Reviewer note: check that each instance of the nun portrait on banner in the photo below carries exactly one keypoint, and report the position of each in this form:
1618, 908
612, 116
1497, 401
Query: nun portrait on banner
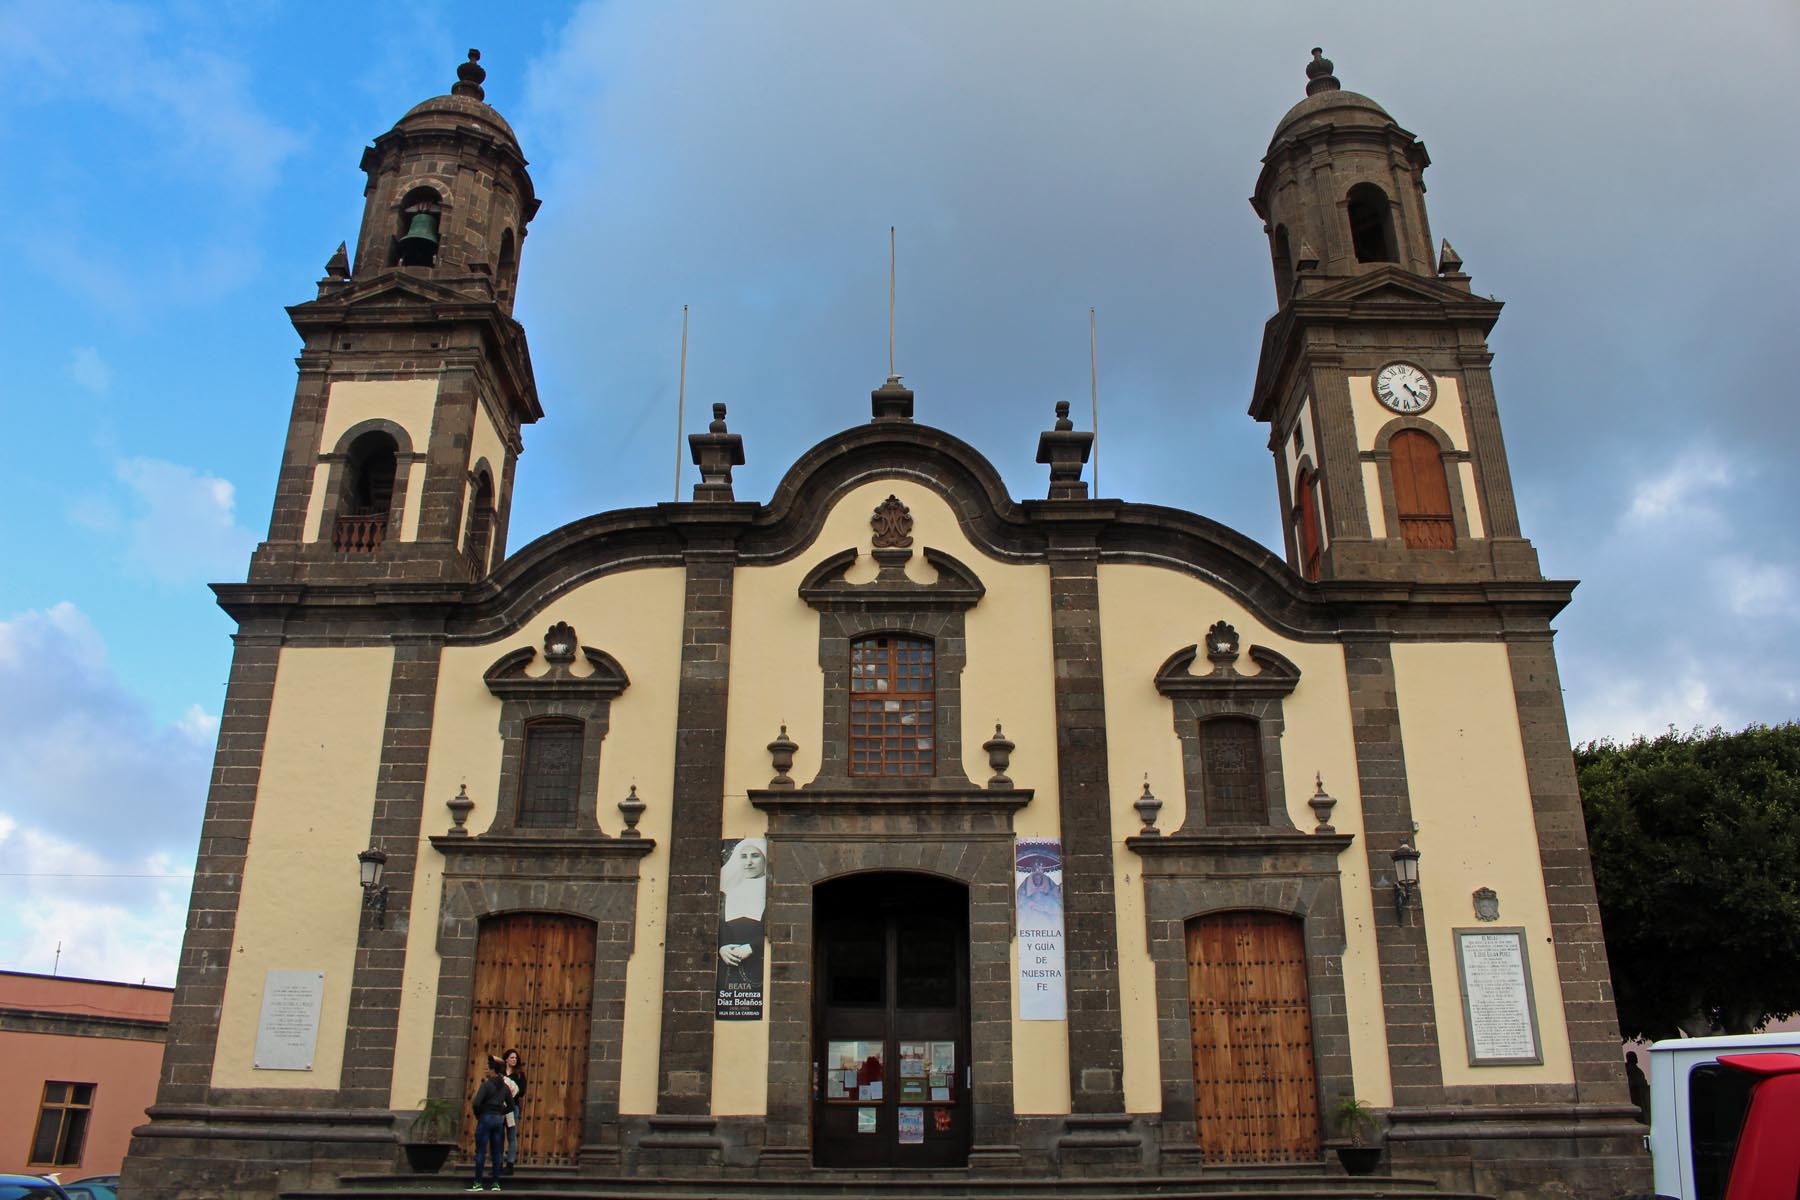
744, 885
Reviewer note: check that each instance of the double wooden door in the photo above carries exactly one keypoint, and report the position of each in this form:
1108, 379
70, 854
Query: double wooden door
534, 989
1255, 1096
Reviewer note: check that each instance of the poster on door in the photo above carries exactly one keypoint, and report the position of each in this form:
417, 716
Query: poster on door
1037, 871
744, 893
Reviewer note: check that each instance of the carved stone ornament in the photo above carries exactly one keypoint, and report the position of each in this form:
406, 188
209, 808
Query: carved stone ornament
781, 757
560, 643
460, 806
1487, 904
1148, 806
1222, 643
632, 809
1322, 804
999, 751
892, 524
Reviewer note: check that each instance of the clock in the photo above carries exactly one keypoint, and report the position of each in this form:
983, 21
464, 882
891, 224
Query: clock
1404, 388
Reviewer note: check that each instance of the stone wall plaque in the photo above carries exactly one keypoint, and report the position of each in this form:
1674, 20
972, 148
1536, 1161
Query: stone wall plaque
287, 1032
1493, 973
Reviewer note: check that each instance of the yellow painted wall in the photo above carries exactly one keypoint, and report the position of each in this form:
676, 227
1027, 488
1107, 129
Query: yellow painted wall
1465, 772
1445, 412
636, 617
1470, 501
775, 678
315, 503
415, 499
313, 808
1148, 613
1372, 499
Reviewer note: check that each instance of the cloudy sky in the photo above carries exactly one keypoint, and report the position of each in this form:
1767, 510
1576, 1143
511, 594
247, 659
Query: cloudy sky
1621, 174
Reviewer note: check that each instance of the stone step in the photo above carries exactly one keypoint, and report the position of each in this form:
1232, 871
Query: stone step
565, 1184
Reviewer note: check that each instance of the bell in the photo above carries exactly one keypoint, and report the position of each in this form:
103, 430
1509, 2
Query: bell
419, 245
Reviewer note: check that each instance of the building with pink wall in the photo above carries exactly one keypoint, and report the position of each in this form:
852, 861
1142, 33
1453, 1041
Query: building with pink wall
88, 1054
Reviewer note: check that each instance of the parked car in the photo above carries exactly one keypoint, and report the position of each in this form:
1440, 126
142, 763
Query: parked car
1713, 1101
29, 1187
94, 1187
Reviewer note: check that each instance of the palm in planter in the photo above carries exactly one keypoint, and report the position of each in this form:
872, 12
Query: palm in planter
1357, 1122
431, 1136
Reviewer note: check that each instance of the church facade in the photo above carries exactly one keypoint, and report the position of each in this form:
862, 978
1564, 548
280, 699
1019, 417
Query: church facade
896, 821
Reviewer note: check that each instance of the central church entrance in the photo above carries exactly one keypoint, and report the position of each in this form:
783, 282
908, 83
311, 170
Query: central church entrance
891, 1022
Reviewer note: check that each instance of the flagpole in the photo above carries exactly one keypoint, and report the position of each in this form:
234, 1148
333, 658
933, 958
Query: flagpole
1094, 391
681, 403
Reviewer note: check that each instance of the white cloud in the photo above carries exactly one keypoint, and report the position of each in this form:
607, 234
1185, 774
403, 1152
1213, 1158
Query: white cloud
1628, 706
1758, 589
184, 530
1682, 490
88, 369
99, 819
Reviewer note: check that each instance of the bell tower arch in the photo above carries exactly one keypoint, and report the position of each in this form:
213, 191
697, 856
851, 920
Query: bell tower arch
1376, 342
415, 380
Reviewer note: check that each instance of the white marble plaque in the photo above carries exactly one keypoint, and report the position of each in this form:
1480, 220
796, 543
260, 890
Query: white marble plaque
1499, 1015
287, 1032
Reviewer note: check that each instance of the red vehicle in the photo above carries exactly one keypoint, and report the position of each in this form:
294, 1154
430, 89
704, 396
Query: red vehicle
1758, 1099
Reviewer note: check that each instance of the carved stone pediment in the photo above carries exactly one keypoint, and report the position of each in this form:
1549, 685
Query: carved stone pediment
1278, 676
507, 678
956, 586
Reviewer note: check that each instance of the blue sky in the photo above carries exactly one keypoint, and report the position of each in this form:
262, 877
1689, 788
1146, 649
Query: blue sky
1619, 174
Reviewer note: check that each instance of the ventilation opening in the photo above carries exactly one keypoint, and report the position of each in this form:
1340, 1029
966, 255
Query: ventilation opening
509, 267
416, 234
481, 526
1372, 225
1284, 265
368, 495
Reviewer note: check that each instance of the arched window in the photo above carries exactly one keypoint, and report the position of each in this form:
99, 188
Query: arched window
508, 268
1372, 225
893, 706
1306, 523
367, 496
1284, 265
551, 779
416, 238
1231, 766
1421, 494
481, 525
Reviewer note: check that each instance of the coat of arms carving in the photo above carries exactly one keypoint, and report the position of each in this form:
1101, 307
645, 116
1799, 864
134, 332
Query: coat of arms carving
892, 524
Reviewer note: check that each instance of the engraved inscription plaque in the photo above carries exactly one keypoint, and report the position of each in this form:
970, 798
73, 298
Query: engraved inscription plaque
288, 1030
1499, 1014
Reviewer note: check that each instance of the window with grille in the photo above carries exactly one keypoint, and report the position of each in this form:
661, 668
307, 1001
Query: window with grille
892, 706
552, 776
62, 1124
1231, 758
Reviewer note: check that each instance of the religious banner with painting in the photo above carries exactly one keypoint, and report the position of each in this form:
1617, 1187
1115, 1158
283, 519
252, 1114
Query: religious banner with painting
1037, 868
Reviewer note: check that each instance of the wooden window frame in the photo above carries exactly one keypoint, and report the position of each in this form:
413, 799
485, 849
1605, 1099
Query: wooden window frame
885, 754
538, 732
1309, 532
63, 1109
1255, 809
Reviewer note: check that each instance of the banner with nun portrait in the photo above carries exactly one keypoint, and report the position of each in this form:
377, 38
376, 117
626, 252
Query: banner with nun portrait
744, 893
1037, 873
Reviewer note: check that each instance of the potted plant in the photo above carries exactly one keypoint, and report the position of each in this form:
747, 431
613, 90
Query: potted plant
1357, 1122
431, 1136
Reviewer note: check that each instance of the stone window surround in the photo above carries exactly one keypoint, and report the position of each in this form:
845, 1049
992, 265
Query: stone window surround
557, 693
337, 461
895, 605
1382, 457
1197, 699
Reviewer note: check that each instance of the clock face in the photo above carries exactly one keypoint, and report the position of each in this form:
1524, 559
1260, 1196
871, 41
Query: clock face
1403, 388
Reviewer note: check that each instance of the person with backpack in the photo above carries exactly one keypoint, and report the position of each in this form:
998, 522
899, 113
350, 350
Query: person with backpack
493, 1100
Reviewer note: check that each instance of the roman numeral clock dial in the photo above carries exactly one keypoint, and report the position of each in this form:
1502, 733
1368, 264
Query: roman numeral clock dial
1404, 388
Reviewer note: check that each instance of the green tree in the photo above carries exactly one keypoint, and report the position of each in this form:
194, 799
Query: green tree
1696, 848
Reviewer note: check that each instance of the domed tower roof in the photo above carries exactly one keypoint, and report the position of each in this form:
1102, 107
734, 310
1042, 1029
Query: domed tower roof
466, 101
1328, 103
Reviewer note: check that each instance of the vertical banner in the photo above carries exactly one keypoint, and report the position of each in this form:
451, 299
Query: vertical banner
744, 892
1037, 870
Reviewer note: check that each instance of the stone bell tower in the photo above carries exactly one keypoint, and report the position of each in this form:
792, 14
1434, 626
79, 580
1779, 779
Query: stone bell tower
1374, 378
415, 380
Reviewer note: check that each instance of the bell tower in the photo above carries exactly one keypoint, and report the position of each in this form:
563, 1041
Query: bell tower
415, 381
1374, 378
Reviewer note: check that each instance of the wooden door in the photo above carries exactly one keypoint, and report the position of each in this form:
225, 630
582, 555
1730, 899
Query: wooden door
1255, 1100
534, 988
1421, 493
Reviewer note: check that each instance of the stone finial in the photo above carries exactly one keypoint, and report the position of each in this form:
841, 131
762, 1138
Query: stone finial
1306, 259
460, 806
1148, 806
715, 453
892, 523
781, 756
1065, 449
1318, 74
999, 751
892, 401
468, 78
338, 266
1322, 804
1449, 261
632, 809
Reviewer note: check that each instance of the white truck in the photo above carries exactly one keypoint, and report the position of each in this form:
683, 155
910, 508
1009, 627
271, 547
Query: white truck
1698, 1111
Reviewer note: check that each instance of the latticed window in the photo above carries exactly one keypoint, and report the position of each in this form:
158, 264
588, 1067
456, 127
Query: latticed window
1231, 758
552, 776
893, 704
62, 1124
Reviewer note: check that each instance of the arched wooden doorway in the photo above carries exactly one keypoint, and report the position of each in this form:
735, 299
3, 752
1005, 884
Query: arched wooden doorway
534, 989
1255, 1097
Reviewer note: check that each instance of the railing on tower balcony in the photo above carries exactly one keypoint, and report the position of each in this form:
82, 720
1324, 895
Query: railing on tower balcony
1428, 532
359, 533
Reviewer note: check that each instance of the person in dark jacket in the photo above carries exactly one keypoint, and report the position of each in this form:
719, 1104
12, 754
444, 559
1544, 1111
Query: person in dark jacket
493, 1100
515, 1071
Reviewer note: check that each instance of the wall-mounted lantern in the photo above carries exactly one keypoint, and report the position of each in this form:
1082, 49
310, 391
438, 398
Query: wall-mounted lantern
373, 862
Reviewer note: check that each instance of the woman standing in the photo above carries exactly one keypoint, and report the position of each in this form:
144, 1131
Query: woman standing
493, 1100
515, 1071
